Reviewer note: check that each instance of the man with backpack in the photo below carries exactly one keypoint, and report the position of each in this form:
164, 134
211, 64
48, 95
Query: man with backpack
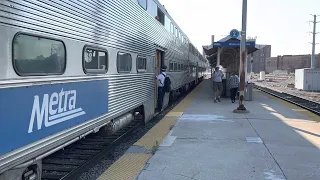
217, 83
164, 85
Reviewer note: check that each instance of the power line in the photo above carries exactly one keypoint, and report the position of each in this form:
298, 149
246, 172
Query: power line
313, 61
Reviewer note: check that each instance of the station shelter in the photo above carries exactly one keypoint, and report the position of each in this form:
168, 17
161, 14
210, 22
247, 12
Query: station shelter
225, 53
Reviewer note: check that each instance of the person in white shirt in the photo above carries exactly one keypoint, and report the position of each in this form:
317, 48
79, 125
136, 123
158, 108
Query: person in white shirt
217, 83
160, 78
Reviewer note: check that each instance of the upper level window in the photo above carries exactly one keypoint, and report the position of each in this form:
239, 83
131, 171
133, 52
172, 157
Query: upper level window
161, 16
33, 55
95, 60
124, 62
141, 64
176, 32
143, 4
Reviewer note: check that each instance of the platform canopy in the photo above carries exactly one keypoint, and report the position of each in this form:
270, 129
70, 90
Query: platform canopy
229, 50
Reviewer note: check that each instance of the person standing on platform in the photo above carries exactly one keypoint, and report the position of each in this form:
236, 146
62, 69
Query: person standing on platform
217, 83
234, 85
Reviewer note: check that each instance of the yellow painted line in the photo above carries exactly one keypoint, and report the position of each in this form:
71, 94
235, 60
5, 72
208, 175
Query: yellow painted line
130, 165
156, 134
299, 110
294, 107
174, 114
126, 168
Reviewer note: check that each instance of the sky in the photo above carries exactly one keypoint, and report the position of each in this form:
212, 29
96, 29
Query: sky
283, 24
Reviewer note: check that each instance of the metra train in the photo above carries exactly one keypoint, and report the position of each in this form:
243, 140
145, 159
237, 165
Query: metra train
69, 67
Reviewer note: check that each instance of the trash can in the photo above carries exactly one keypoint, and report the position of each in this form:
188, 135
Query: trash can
248, 90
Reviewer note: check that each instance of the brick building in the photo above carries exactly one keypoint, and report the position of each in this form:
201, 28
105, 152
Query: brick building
259, 58
290, 62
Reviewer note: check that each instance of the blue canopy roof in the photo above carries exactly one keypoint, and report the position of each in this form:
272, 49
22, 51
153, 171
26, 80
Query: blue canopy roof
230, 50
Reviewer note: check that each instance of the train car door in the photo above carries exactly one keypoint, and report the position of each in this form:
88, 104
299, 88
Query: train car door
158, 64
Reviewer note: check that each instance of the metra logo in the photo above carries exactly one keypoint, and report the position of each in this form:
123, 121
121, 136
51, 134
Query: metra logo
56, 108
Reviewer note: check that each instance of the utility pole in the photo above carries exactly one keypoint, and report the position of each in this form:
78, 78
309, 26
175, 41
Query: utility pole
243, 57
313, 61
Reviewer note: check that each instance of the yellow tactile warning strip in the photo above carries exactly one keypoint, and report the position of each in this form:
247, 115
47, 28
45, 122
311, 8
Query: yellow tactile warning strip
155, 135
130, 164
127, 167
294, 107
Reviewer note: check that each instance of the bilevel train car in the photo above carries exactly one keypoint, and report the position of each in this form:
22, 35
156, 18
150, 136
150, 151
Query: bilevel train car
69, 67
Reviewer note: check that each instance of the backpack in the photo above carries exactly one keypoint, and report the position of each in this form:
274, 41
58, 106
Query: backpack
167, 84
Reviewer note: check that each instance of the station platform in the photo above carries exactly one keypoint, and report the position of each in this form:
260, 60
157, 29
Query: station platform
200, 139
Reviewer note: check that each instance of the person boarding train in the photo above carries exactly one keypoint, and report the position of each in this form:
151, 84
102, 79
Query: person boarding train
164, 85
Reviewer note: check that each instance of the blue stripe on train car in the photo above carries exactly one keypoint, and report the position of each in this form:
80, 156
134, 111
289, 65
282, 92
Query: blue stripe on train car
35, 112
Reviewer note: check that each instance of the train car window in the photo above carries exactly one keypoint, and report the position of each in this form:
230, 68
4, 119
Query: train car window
171, 28
161, 16
152, 8
176, 32
35, 56
143, 4
171, 67
95, 60
124, 62
167, 23
141, 64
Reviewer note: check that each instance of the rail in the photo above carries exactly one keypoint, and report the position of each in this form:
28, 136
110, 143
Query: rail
312, 106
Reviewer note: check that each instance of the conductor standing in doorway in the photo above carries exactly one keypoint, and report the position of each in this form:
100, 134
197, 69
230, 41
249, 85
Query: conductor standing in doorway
161, 78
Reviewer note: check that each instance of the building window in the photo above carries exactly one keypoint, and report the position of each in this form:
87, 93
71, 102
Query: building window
95, 60
141, 64
124, 62
175, 67
34, 55
143, 4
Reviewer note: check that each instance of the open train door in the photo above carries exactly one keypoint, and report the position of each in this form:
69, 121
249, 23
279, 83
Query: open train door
159, 61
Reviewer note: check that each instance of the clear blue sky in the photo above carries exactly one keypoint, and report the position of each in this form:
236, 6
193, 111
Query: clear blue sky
281, 23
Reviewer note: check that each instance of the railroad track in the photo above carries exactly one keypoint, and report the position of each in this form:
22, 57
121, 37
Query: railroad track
70, 162
312, 106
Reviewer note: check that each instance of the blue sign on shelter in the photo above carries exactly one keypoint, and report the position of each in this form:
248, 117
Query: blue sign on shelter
233, 44
234, 33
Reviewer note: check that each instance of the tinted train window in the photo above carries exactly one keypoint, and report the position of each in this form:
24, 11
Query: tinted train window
34, 55
124, 62
171, 67
143, 3
141, 64
95, 60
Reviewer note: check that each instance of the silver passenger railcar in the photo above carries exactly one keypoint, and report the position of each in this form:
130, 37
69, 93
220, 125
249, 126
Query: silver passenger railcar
69, 67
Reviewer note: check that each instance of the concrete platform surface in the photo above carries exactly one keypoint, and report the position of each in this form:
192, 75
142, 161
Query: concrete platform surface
272, 142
